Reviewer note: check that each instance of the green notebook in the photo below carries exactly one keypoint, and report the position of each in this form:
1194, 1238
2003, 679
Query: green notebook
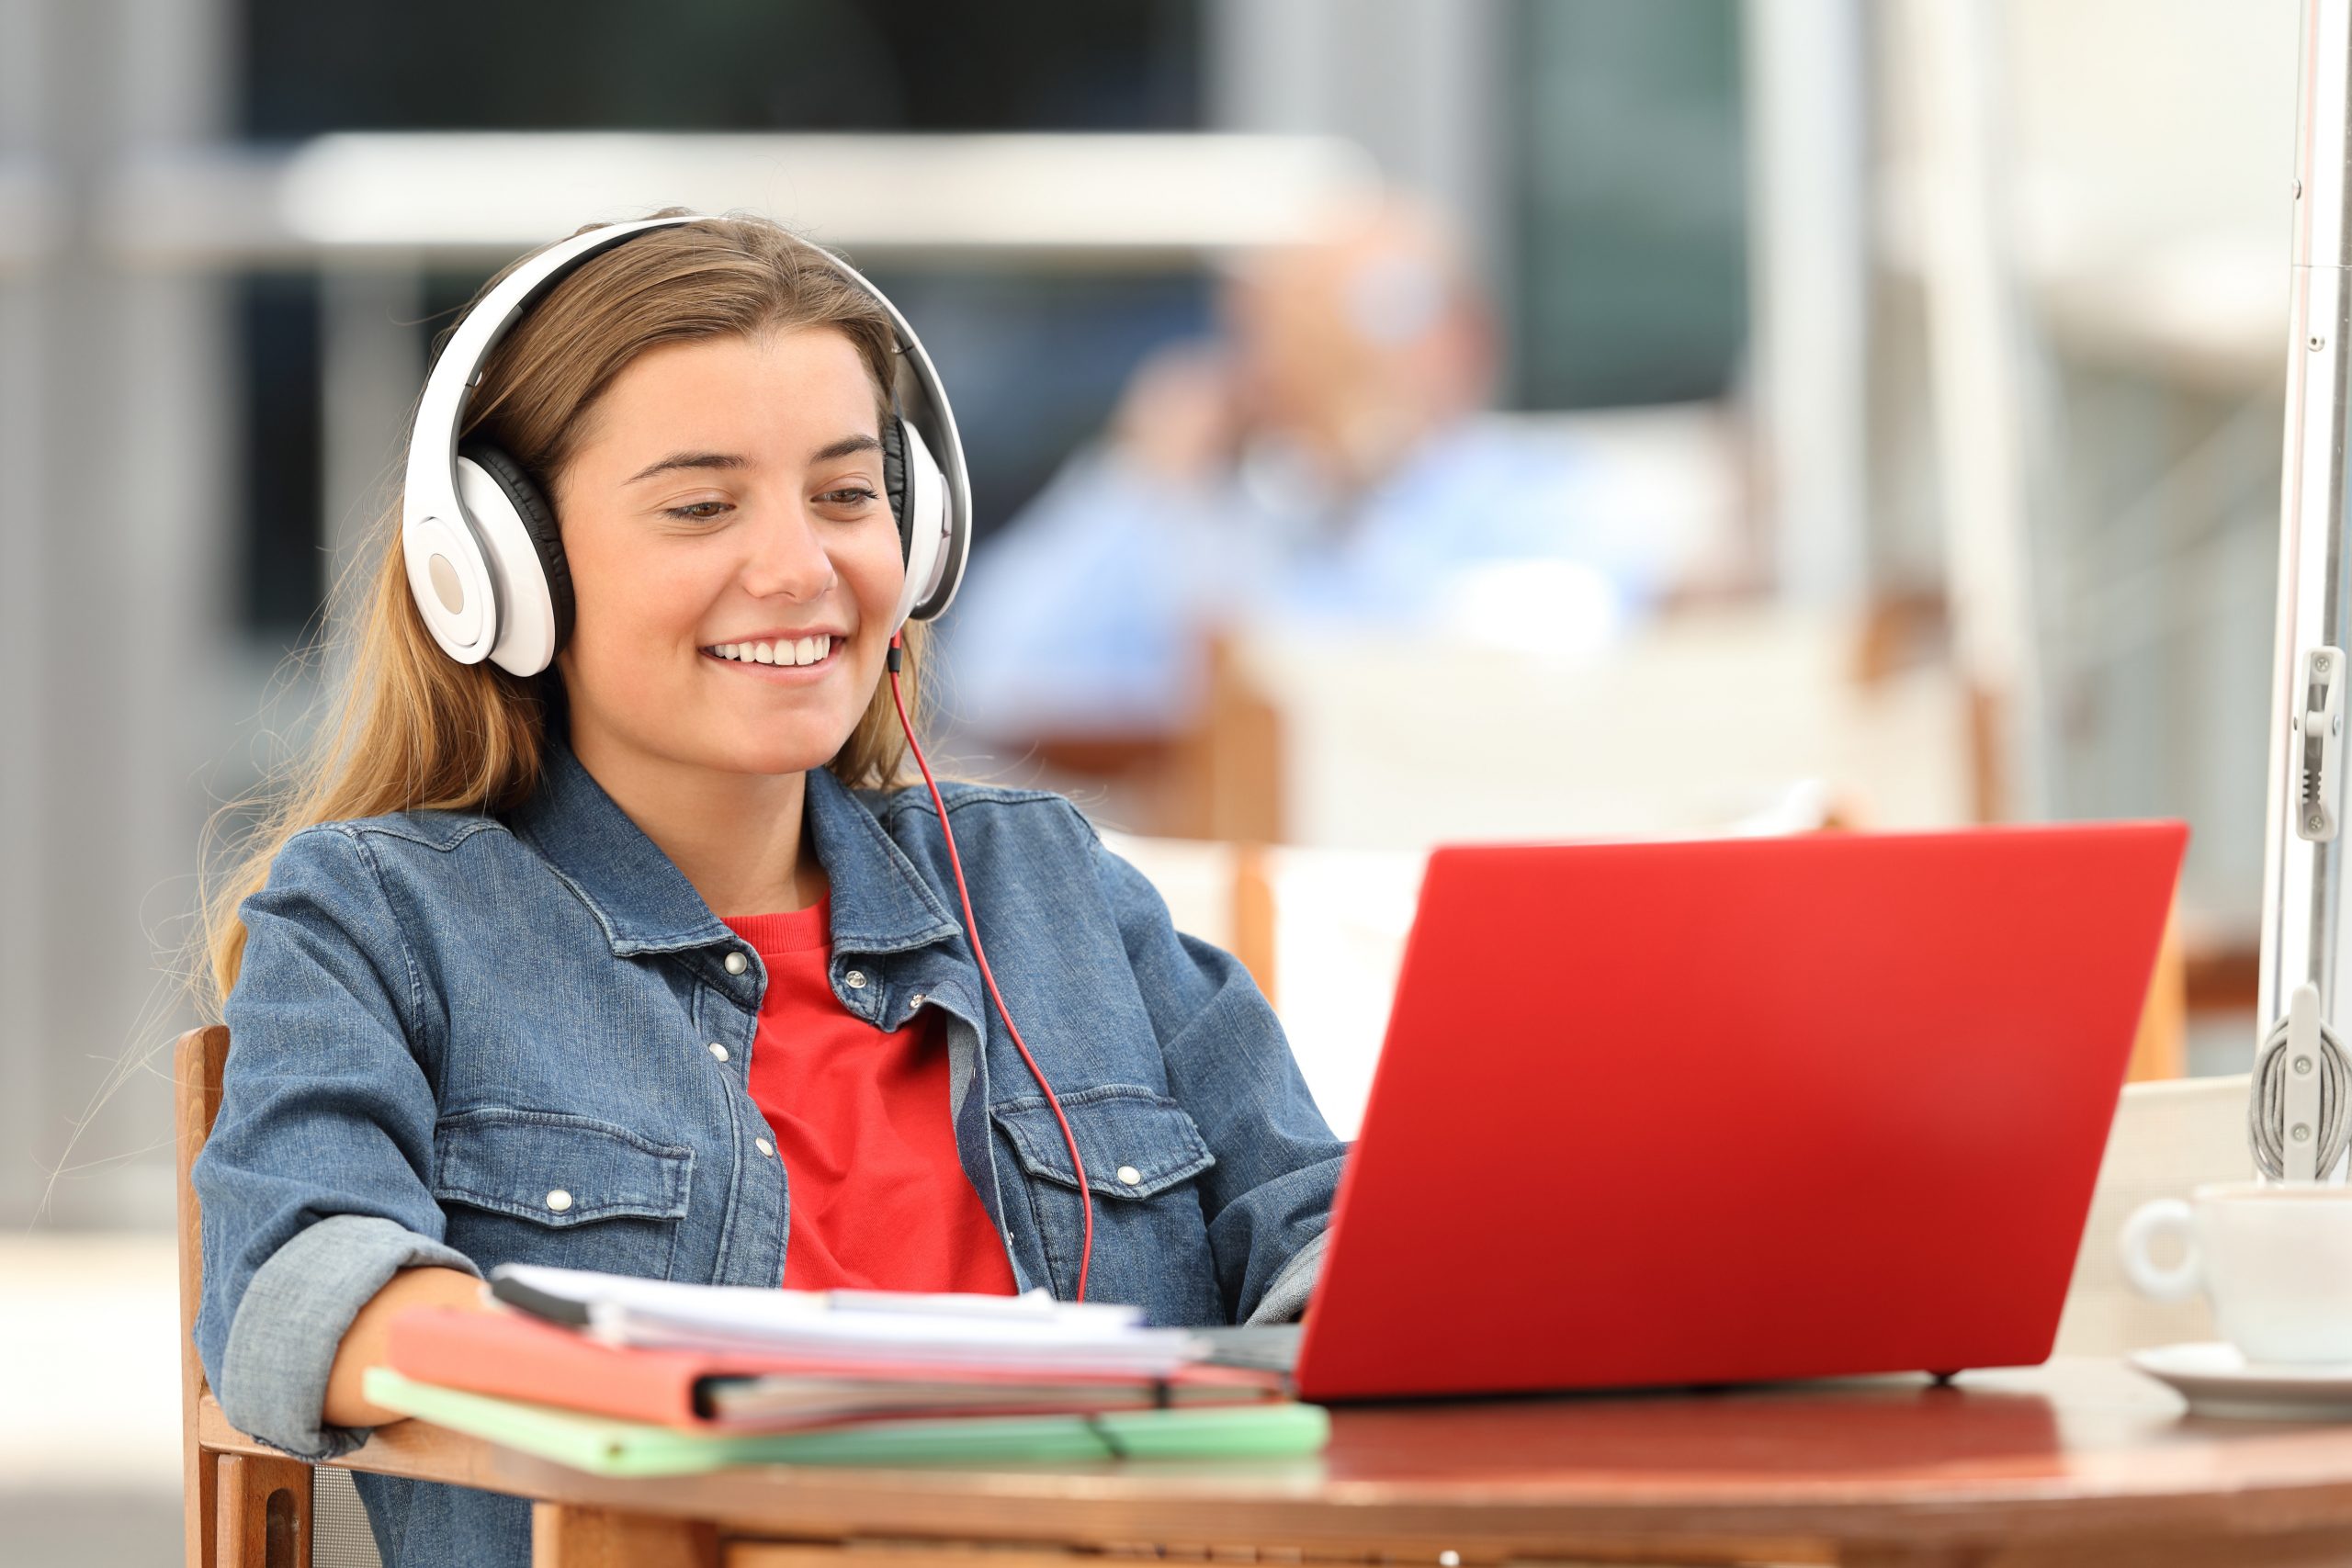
610, 1446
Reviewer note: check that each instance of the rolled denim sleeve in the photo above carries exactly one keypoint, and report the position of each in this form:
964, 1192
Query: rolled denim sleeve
1268, 1198
314, 1185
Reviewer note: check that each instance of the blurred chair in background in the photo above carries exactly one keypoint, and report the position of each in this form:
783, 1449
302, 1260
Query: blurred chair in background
1699, 724
1326, 462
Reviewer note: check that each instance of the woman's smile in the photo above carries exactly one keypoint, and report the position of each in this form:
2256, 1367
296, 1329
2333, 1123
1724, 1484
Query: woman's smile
789, 662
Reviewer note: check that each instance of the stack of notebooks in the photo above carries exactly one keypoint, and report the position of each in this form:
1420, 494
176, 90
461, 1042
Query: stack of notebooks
638, 1377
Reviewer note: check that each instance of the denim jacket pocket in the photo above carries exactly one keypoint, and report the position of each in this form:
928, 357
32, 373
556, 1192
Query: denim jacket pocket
549, 1187
1142, 1151
1135, 1144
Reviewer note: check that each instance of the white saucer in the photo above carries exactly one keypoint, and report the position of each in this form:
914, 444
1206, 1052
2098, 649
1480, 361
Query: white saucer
2217, 1379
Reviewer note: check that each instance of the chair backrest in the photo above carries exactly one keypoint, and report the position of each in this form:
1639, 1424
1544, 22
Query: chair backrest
197, 1062
2166, 1139
338, 1532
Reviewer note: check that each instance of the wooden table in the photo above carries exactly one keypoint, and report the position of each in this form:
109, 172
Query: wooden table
2080, 1462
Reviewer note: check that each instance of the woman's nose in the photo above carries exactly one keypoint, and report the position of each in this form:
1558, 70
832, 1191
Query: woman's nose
788, 558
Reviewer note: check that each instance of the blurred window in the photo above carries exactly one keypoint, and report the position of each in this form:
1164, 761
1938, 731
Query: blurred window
1629, 182
719, 65
281, 560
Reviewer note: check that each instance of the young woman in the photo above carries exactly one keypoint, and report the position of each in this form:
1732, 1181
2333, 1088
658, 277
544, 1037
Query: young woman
656, 962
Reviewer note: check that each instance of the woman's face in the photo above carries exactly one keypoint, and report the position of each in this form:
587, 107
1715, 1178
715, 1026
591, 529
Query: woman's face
733, 558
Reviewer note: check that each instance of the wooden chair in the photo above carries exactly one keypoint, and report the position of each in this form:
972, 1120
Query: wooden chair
243, 1509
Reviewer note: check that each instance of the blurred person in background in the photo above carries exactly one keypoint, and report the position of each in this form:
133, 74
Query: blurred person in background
1328, 459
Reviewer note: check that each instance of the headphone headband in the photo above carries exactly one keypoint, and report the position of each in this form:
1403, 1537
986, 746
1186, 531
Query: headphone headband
454, 577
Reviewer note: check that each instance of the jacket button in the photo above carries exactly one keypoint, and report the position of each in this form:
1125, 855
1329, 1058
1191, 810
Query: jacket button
1130, 1176
559, 1199
717, 1051
914, 1002
763, 1145
737, 964
855, 979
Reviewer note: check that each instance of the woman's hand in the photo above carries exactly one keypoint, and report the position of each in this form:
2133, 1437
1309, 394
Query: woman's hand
363, 1345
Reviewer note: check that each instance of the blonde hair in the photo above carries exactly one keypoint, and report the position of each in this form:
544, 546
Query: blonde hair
407, 728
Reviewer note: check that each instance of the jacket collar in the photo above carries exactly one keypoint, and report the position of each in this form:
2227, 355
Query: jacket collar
881, 903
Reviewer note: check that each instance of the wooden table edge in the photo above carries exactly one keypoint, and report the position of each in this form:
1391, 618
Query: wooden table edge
1112, 1506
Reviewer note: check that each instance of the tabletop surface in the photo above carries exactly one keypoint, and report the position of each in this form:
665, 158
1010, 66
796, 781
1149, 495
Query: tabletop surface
2084, 1444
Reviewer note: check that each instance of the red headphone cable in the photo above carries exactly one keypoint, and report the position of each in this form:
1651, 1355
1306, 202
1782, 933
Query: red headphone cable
972, 929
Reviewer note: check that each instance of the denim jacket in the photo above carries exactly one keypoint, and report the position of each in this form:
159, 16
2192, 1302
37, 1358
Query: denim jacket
461, 1039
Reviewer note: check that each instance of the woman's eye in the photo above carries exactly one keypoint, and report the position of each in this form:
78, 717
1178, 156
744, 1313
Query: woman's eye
710, 511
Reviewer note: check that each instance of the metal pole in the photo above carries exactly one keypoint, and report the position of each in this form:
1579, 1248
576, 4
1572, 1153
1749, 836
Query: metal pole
1985, 392
1808, 235
2300, 1082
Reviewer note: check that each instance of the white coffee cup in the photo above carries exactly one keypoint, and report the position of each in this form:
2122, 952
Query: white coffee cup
2275, 1259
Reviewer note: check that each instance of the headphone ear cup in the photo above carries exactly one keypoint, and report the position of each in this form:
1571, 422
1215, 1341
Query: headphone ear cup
894, 479
518, 525
927, 526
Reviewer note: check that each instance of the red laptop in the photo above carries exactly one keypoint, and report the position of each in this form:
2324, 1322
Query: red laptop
1738, 1109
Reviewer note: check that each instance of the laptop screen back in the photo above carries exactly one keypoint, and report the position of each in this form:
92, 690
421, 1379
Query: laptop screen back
1729, 1111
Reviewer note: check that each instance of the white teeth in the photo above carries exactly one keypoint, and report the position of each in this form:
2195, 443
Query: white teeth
789, 652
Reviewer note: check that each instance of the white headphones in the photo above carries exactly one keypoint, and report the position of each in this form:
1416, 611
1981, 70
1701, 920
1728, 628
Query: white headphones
485, 560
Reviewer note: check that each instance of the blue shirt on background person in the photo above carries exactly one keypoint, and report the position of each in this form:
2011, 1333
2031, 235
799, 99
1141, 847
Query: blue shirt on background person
1328, 458
1091, 612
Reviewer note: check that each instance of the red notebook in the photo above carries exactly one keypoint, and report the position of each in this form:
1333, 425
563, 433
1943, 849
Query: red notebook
515, 1357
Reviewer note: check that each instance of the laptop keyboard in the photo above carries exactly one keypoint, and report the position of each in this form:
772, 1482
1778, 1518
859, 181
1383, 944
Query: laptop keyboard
1259, 1348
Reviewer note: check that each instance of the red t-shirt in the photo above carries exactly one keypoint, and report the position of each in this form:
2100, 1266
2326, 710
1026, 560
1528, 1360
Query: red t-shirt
879, 1200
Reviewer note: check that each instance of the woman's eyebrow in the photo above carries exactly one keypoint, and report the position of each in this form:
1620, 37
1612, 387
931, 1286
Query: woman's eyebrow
690, 460
825, 454
844, 447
